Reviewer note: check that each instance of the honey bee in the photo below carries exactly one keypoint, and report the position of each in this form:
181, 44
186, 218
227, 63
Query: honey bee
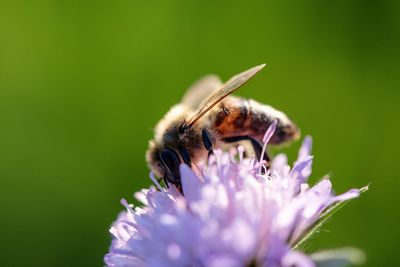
210, 117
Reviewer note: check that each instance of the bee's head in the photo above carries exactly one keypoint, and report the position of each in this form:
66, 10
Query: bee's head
178, 144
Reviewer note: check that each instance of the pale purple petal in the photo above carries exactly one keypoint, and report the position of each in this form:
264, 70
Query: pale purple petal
123, 260
322, 189
302, 169
280, 163
191, 184
305, 149
352, 193
222, 260
297, 259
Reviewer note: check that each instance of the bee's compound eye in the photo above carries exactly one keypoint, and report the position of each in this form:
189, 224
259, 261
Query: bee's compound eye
171, 162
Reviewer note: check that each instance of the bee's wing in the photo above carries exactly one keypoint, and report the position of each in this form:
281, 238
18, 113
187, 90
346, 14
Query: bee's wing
227, 88
199, 91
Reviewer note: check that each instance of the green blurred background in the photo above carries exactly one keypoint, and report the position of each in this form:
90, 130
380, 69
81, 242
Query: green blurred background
82, 83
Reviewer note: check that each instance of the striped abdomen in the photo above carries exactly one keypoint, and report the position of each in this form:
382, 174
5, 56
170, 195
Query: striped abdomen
238, 117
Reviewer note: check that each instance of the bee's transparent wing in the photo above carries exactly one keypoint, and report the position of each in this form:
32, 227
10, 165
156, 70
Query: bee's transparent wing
227, 88
200, 90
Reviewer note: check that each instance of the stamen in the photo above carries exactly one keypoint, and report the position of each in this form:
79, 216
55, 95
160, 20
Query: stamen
241, 153
153, 178
268, 134
127, 205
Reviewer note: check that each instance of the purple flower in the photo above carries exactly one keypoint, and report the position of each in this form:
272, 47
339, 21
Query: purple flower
232, 214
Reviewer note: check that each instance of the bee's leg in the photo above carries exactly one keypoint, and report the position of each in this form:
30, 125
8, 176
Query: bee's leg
207, 141
185, 155
257, 146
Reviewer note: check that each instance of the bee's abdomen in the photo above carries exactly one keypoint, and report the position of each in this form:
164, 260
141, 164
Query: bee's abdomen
238, 117
233, 117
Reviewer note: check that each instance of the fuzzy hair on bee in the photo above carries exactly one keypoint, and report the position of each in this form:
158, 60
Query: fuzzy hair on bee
210, 117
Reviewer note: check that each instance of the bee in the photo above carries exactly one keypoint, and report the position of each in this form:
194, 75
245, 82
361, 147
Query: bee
210, 117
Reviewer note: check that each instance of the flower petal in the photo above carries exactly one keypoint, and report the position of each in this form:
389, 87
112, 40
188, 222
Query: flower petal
295, 258
339, 257
305, 149
302, 169
191, 184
